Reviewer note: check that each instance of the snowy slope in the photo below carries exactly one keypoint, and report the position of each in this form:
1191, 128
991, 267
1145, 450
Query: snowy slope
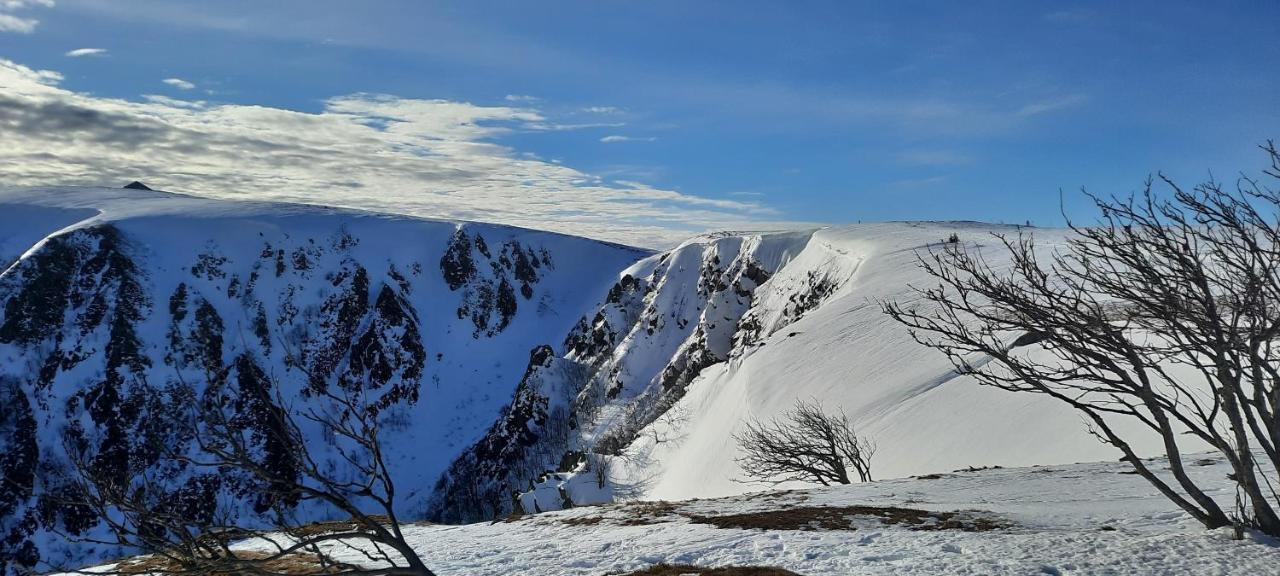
667, 318
847, 354
1072, 519
692, 342
124, 296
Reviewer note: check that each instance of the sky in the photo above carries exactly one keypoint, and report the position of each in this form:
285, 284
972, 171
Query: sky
640, 122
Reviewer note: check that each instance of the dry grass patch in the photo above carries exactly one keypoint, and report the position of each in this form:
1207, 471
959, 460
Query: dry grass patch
841, 518
335, 526
644, 513
803, 518
298, 564
636, 514
583, 521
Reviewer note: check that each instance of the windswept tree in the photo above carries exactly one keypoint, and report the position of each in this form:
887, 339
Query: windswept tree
164, 512
1166, 313
806, 444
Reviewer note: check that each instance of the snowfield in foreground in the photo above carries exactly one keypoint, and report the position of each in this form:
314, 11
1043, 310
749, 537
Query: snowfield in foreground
1074, 519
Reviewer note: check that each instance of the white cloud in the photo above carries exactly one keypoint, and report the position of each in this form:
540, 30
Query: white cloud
81, 52
522, 98
20, 4
179, 83
602, 110
614, 138
11, 23
432, 158
28, 78
174, 102
560, 127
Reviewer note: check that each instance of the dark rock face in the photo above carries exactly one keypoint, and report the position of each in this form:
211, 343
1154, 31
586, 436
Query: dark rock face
456, 265
811, 292
686, 366
340, 318
136, 185
488, 282
19, 456
83, 281
253, 408
388, 357
38, 308
591, 341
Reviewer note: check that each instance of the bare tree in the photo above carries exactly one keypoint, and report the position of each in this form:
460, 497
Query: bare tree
1165, 313
806, 444
183, 535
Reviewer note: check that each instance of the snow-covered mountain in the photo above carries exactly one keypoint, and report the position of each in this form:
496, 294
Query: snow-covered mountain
115, 302
519, 369
692, 343
816, 331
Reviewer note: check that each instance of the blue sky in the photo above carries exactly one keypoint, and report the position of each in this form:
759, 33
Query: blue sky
785, 112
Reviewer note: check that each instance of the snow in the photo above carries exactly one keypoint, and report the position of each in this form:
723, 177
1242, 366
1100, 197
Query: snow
467, 378
849, 355
586, 485
1072, 519
818, 334
26, 225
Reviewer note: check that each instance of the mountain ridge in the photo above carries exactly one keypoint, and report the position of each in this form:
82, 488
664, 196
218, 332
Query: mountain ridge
119, 305
516, 370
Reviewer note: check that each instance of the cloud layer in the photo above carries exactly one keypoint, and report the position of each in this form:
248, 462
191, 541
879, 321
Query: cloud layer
425, 157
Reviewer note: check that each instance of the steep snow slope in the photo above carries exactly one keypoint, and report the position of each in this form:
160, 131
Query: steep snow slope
667, 318
1072, 519
125, 302
847, 354
693, 342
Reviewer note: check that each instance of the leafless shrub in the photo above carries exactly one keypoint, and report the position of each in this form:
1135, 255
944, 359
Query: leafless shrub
1196, 275
601, 469
806, 444
146, 514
